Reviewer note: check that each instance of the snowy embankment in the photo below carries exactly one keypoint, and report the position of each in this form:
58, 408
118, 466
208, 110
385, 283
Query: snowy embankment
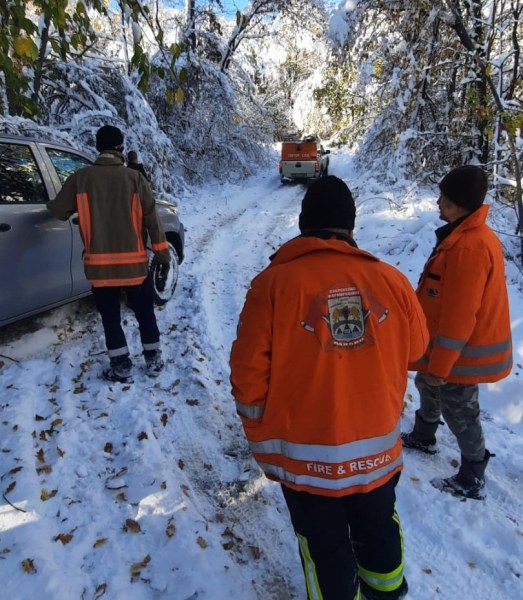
147, 491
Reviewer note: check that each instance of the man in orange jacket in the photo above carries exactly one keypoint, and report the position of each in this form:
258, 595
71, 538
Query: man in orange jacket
464, 296
318, 372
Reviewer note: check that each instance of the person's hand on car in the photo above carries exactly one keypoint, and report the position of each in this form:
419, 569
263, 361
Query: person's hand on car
161, 270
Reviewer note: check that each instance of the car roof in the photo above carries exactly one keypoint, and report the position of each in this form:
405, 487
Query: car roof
36, 140
40, 140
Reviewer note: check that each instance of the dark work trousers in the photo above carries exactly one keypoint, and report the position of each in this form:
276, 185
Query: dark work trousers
141, 301
347, 541
459, 405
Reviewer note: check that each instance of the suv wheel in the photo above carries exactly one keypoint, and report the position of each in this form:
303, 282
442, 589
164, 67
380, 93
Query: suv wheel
162, 297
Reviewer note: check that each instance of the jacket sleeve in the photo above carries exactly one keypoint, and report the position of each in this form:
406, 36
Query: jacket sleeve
419, 333
251, 355
64, 205
466, 275
152, 222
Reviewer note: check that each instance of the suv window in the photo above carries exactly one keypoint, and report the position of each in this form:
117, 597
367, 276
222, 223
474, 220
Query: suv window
66, 163
20, 178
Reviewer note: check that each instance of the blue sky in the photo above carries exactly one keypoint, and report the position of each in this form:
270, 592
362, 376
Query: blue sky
233, 5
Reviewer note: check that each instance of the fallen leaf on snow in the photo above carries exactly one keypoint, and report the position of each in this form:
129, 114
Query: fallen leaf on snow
28, 566
45, 495
132, 526
136, 568
65, 538
170, 530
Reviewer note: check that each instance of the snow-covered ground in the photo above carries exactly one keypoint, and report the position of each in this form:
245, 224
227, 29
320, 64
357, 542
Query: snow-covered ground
148, 492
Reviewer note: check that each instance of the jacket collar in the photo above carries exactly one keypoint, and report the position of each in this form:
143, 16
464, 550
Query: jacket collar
472, 221
308, 244
109, 157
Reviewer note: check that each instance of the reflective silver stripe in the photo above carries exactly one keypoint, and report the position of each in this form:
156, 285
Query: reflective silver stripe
449, 343
249, 411
118, 352
329, 454
492, 369
331, 484
479, 351
381, 584
311, 578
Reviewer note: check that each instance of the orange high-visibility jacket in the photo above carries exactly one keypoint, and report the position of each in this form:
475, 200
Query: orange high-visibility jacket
319, 366
464, 296
116, 214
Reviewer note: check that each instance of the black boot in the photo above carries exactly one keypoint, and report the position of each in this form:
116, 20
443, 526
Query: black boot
153, 362
120, 369
422, 437
469, 481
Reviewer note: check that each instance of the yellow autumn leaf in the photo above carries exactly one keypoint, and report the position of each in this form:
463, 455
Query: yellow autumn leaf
25, 47
28, 566
45, 495
179, 95
201, 542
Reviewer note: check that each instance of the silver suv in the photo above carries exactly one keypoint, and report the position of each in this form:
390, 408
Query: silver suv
40, 257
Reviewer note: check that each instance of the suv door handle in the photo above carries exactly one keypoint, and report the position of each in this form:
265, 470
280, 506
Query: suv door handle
5, 227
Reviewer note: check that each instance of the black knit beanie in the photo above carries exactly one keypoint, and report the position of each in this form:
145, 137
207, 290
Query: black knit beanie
465, 186
327, 204
109, 138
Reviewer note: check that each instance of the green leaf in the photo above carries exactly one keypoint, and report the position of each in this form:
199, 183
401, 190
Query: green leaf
179, 95
183, 75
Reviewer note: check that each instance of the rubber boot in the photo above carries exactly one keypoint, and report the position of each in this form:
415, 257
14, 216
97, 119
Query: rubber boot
422, 437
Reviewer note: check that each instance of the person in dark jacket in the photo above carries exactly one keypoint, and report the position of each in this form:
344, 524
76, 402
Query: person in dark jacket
117, 215
464, 296
132, 163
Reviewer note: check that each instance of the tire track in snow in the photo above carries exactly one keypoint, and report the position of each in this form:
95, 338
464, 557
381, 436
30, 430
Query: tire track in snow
228, 254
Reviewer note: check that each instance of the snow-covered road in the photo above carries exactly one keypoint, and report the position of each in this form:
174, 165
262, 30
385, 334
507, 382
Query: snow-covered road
148, 491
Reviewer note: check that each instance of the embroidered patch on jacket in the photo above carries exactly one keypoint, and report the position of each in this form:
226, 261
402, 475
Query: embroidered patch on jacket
338, 316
